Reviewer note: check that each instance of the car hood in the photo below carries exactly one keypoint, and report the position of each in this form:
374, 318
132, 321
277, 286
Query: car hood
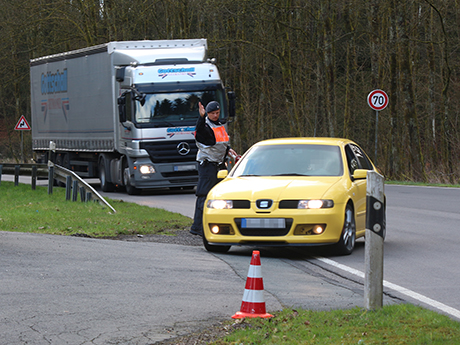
275, 188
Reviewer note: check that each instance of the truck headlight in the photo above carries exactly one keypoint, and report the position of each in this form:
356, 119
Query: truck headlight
146, 169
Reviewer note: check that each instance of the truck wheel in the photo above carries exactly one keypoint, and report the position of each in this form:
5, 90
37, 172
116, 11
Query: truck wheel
131, 190
105, 185
66, 161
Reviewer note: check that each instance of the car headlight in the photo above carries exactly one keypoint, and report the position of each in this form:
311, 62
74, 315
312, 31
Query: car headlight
315, 204
220, 204
147, 169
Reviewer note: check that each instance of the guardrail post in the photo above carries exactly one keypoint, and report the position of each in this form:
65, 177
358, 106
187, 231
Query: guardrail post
74, 190
34, 177
375, 234
1, 169
88, 196
50, 179
82, 194
68, 187
16, 175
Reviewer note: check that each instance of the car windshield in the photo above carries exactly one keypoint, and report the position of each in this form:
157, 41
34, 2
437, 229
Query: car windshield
291, 160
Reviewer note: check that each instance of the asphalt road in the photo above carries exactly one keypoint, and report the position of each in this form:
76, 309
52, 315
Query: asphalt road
67, 290
423, 240
421, 248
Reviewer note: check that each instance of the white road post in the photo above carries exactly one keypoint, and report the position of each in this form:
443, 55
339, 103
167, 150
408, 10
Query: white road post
375, 234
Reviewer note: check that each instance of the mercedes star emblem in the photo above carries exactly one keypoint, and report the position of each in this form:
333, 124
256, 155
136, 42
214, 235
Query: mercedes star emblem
183, 148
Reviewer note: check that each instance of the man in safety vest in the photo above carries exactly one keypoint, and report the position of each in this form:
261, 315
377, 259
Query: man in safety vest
212, 142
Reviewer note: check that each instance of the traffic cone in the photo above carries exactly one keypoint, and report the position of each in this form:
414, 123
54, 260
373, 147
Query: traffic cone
253, 304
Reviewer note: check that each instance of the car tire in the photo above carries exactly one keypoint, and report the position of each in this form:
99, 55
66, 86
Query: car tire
213, 248
346, 244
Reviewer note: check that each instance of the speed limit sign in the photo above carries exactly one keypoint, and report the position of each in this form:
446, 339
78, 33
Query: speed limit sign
377, 100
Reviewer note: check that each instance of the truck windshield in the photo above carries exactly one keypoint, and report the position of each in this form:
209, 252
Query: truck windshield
175, 108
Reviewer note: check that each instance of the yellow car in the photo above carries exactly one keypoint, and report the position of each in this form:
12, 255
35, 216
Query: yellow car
290, 192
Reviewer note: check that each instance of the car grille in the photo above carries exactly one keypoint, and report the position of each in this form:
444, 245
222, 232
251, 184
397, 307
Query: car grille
246, 204
288, 204
166, 151
264, 231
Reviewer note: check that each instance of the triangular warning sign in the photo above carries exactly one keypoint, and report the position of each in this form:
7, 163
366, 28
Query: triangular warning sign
22, 124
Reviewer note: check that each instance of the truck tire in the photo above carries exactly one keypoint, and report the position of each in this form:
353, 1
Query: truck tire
105, 185
131, 190
66, 161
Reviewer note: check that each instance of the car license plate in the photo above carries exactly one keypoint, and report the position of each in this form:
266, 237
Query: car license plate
263, 223
185, 167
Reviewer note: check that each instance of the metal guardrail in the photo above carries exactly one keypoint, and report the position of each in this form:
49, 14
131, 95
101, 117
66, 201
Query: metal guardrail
74, 184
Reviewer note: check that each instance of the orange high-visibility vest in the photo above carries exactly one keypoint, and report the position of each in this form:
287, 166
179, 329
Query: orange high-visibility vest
221, 134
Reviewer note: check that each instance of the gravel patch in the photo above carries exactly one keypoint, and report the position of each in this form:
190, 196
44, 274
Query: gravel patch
182, 237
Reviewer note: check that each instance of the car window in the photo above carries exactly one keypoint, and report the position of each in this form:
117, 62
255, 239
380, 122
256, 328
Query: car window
356, 158
291, 160
351, 160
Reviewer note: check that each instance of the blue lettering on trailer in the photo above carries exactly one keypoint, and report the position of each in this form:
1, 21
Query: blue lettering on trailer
54, 83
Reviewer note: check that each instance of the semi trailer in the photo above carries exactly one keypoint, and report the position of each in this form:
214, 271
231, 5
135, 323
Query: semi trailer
125, 112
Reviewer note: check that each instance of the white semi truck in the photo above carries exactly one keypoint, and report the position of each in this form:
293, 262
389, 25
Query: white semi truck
125, 111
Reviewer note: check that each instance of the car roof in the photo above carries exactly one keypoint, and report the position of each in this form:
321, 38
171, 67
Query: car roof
306, 140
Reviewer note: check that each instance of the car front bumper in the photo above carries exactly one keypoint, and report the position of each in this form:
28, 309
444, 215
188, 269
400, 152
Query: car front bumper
292, 227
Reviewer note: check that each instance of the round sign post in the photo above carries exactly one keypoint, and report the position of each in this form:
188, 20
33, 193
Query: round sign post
377, 100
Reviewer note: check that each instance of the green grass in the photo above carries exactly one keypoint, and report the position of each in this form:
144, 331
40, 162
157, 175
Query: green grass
24, 210
395, 324
422, 184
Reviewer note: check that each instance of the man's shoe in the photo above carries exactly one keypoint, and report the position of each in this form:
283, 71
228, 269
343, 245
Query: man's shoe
195, 232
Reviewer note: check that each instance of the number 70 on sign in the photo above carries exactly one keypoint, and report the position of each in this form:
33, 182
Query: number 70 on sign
377, 100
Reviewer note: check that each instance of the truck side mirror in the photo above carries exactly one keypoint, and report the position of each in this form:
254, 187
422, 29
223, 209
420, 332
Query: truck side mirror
120, 74
122, 108
231, 104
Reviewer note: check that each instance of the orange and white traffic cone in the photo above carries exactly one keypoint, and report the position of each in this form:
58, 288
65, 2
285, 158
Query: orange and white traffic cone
253, 304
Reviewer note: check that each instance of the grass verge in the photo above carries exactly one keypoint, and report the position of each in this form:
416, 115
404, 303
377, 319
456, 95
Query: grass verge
393, 324
422, 184
24, 210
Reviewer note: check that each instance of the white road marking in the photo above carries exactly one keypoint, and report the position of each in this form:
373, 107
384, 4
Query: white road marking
412, 294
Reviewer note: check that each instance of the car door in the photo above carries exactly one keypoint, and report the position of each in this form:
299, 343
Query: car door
357, 159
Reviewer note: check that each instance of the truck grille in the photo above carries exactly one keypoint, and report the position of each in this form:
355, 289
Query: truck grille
171, 151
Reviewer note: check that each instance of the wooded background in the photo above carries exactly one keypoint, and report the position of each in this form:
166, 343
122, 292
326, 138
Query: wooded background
298, 68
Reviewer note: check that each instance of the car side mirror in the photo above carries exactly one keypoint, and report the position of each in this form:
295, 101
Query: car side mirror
221, 174
359, 174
